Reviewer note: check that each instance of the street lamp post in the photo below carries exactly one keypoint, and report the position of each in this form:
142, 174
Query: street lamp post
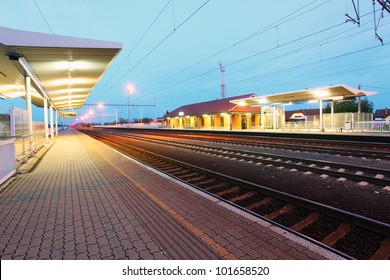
130, 90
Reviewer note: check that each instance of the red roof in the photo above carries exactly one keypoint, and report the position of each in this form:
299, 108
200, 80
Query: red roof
382, 113
213, 107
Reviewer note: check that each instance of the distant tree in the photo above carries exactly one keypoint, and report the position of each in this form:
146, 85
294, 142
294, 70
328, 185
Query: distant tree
144, 120
351, 106
122, 120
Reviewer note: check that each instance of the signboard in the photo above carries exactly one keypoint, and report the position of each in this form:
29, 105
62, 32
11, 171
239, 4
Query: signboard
67, 114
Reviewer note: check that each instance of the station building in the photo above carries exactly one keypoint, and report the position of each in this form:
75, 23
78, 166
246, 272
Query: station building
215, 114
269, 111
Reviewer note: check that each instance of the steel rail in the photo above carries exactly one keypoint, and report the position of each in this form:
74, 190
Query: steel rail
256, 156
355, 219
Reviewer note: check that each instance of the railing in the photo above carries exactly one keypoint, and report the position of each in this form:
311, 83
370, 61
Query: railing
7, 159
302, 126
22, 148
372, 126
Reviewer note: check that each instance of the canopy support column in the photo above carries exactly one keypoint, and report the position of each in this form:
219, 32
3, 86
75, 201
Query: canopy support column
274, 118
51, 122
262, 118
46, 119
332, 113
56, 123
27, 83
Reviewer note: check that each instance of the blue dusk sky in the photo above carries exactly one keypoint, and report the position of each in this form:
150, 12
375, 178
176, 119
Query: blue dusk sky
172, 49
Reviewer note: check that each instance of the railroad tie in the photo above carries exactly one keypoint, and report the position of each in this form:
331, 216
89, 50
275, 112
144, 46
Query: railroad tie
260, 203
313, 217
383, 253
279, 212
339, 233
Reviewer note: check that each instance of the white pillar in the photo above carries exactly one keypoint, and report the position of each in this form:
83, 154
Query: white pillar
45, 119
332, 114
274, 118
359, 105
56, 122
51, 122
321, 125
262, 118
27, 84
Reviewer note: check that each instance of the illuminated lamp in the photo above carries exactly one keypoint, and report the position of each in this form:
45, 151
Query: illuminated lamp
263, 100
181, 114
321, 93
71, 66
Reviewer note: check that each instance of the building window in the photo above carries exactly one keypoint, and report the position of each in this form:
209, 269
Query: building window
202, 122
222, 122
212, 121
253, 120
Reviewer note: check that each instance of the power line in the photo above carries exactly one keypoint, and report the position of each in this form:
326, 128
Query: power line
260, 53
136, 44
304, 79
48, 25
253, 35
307, 64
314, 45
161, 42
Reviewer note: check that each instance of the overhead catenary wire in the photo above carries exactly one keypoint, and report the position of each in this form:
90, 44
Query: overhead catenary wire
47, 23
135, 45
281, 21
159, 44
259, 53
321, 60
167, 100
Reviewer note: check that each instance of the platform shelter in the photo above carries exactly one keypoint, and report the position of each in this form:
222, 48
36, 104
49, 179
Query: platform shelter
50, 71
273, 105
263, 112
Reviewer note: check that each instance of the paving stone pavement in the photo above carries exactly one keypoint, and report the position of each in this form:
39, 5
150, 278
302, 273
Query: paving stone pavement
85, 201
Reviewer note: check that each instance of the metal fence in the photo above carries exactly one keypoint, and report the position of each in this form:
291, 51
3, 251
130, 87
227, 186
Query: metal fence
7, 147
14, 126
373, 126
25, 143
341, 122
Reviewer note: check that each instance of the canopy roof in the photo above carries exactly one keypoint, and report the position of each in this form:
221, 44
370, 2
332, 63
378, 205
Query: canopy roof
337, 93
62, 69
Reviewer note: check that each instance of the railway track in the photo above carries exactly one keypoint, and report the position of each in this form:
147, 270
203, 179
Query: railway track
364, 175
347, 234
351, 149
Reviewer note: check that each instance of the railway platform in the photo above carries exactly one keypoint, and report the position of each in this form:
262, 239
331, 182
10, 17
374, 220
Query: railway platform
84, 200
